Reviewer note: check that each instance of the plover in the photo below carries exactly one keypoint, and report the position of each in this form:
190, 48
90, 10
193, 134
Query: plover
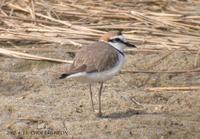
99, 62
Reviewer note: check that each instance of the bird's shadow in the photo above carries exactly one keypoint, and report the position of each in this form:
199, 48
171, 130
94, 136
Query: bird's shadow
126, 114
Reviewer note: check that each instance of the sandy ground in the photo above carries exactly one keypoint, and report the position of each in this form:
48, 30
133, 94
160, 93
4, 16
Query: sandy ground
35, 104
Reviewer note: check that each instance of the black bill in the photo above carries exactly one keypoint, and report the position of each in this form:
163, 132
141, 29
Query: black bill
129, 44
122, 41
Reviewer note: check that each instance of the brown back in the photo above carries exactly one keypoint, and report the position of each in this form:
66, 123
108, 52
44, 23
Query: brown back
99, 56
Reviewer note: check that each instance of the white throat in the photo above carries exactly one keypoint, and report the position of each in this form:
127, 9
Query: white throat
118, 46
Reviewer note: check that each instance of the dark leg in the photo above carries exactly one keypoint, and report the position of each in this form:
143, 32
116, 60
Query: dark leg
100, 91
91, 97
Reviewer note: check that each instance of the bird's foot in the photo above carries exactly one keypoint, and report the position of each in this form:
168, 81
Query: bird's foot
98, 113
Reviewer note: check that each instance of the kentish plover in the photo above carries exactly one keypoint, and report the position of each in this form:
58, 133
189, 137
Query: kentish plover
99, 61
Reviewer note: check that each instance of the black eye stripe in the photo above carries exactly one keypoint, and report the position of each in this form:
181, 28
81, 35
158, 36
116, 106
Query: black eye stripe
121, 41
116, 40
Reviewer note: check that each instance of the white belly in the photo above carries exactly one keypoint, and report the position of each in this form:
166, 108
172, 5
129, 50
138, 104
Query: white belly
100, 76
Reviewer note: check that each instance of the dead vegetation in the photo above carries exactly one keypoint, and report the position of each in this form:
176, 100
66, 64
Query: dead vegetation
166, 32
150, 24
154, 26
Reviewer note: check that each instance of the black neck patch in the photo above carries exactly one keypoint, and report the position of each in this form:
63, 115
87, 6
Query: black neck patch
122, 53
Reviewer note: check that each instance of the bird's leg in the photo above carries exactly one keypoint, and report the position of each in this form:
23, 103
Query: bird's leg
100, 91
91, 97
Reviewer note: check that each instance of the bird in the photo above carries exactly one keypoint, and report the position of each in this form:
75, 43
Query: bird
98, 62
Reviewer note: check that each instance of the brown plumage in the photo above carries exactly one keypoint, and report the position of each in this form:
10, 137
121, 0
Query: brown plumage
87, 59
109, 35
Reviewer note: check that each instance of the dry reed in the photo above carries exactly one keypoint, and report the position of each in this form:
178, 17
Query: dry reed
164, 26
79, 23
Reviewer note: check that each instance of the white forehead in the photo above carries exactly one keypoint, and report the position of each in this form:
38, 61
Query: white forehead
120, 37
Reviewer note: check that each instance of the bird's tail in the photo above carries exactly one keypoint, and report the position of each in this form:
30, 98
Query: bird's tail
73, 71
63, 76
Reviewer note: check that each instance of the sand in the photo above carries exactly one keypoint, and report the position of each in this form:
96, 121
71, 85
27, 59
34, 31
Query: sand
36, 104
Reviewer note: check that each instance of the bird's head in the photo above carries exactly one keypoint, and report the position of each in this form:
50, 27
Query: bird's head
116, 39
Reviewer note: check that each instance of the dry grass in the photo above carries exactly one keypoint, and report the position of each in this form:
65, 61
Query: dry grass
31, 57
77, 23
159, 25
161, 89
167, 34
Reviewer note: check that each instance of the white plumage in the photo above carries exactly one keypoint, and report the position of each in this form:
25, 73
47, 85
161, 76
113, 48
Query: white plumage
100, 76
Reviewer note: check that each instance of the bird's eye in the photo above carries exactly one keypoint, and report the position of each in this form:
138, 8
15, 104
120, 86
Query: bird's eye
118, 40
115, 40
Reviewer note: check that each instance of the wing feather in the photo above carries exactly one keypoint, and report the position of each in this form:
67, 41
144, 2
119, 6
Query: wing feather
97, 57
